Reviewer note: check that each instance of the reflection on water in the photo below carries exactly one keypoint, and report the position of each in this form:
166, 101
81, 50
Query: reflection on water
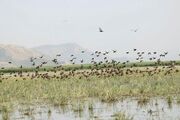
154, 109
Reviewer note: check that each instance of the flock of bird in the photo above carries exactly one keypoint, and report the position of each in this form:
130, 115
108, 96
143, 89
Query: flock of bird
105, 67
101, 65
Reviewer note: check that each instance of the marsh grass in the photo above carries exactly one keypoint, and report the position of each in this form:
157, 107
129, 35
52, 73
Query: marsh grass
63, 91
5, 113
178, 100
78, 108
90, 107
28, 111
169, 100
143, 100
121, 116
49, 112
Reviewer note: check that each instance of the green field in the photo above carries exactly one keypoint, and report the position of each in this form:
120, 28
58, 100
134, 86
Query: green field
108, 83
107, 89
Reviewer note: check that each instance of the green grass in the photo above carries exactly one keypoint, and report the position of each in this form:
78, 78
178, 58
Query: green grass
73, 91
65, 91
121, 116
62, 91
5, 114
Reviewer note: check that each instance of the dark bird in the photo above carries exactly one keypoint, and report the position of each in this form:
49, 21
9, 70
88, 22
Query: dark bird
44, 63
33, 64
114, 51
134, 30
81, 61
58, 55
142, 52
100, 30
55, 61
9, 62
31, 59
134, 49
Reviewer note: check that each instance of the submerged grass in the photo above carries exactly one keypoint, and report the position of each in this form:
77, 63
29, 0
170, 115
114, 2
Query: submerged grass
121, 116
5, 113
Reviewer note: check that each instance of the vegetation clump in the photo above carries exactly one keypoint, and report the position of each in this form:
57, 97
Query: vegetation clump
121, 116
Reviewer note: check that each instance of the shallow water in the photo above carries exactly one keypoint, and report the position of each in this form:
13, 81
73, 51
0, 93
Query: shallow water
155, 109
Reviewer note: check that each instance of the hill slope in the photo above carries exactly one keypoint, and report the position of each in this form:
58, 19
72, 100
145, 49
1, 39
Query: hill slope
65, 50
15, 54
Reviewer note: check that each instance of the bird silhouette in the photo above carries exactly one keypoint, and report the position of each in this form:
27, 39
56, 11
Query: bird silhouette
134, 49
58, 55
100, 30
101, 66
114, 51
134, 30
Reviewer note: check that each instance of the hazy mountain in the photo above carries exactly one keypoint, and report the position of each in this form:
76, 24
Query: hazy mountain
53, 50
15, 54
66, 50
21, 56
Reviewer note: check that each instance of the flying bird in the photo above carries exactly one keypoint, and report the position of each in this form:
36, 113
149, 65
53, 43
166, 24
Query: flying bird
114, 51
134, 30
100, 30
81, 60
58, 55
134, 49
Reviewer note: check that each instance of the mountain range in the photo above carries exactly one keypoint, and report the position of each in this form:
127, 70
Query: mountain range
19, 55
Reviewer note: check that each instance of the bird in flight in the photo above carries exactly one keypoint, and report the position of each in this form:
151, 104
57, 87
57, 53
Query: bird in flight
100, 30
134, 49
114, 51
41, 56
134, 30
58, 55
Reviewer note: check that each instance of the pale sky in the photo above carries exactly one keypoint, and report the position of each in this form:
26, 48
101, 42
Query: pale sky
32, 23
